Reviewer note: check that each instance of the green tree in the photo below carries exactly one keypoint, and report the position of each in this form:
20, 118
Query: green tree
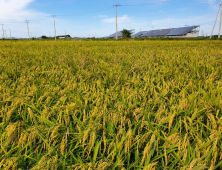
44, 37
126, 33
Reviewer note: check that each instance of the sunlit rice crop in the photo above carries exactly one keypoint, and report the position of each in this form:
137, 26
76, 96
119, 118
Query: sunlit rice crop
111, 105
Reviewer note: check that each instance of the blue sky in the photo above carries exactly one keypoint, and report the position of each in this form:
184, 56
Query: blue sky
97, 18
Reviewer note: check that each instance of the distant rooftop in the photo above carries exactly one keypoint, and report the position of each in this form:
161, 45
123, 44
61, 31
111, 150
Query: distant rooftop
166, 32
120, 34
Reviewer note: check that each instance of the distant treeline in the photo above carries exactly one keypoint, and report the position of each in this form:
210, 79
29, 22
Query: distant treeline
68, 38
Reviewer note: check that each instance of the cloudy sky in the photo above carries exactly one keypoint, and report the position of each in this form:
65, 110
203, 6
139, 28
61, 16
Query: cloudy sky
97, 18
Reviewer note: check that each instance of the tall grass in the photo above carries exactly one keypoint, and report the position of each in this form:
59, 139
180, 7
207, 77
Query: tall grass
111, 105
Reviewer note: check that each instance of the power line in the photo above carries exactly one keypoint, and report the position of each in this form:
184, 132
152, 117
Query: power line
21, 22
154, 15
77, 14
94, 28
9, 22
147, 4
84, 13
117, 5
110, 7
102, 9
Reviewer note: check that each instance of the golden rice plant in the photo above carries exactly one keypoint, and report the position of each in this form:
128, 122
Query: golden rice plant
111, 105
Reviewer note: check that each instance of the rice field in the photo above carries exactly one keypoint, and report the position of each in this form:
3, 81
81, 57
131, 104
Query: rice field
110, 105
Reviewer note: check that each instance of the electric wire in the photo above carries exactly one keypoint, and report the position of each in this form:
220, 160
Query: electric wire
84, 13
147, 4
89, 12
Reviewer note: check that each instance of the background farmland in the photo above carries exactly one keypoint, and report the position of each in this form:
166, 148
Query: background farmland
110, 105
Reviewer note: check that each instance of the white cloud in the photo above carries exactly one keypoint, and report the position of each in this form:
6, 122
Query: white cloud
16, 10
13, 14
121, 20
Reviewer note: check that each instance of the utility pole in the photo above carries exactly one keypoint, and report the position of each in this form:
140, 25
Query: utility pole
10, 33
220, 6
116, 22
220, 19
65, 32
54, 26
3, 35
27, 27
